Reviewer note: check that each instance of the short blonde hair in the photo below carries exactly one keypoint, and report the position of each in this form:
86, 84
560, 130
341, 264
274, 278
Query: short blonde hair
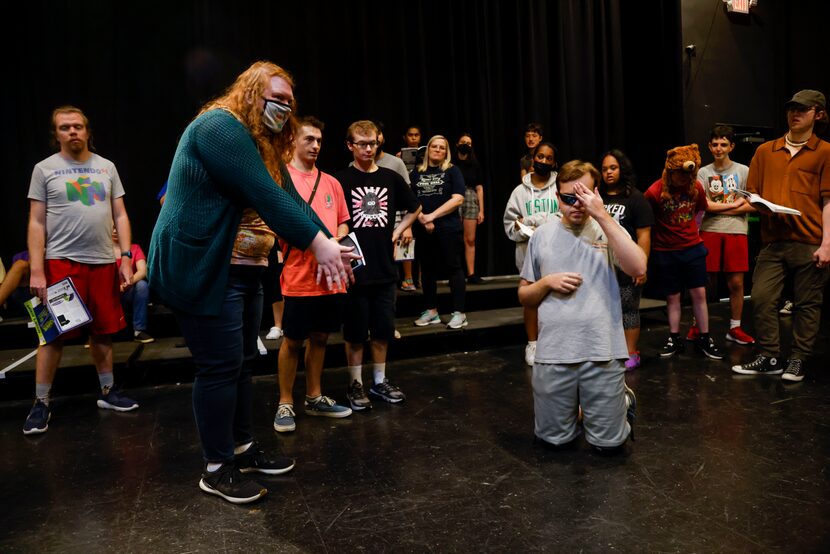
446, 163
364, 127
575, 169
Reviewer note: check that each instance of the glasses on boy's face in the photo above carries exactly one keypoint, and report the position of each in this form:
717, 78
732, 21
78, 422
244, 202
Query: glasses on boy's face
569, 199
364, 144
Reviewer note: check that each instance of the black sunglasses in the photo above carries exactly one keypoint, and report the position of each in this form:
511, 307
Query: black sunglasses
569, 199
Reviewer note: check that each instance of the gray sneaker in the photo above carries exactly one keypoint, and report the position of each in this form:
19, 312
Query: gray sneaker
326, 407
630, 408
284, 420
428, 318
457, 321
387, 391
357, 396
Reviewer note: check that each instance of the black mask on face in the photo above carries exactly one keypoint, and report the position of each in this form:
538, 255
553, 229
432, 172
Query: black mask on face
542, 168
464, 149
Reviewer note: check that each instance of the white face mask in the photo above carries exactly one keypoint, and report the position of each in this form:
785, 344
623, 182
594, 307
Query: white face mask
275, 114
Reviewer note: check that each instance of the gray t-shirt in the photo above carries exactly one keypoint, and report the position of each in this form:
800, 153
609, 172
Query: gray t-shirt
720, 187
78, 198
587, 324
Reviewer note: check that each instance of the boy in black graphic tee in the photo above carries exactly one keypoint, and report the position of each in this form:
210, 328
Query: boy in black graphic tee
373, 195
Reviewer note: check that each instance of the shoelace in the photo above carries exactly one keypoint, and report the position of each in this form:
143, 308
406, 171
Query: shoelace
285, 411
325, 400
794, 367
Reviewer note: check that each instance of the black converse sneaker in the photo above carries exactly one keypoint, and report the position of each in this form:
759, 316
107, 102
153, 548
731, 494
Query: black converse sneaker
795, 371
706, 346
761, 365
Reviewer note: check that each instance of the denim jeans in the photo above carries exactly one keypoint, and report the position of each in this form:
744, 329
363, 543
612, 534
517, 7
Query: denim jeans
135, 300
224, 348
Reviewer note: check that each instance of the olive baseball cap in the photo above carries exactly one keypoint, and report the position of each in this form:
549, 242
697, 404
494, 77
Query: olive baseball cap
807, 98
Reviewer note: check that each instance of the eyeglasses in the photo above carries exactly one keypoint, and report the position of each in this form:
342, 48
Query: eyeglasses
569, 199
364, 144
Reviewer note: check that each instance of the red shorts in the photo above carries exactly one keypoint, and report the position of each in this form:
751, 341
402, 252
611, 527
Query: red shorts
99, 289
727, 252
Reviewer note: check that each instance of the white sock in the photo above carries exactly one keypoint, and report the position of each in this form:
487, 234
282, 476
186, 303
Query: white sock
242, 448
379, 372
734, 323
531, 343
213, 467
356, 373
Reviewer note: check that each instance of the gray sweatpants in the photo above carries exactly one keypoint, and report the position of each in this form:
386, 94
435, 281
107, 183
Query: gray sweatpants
598, 387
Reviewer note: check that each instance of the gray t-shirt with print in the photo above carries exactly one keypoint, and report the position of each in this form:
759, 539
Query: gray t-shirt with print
720, 187
587, 324
78, 197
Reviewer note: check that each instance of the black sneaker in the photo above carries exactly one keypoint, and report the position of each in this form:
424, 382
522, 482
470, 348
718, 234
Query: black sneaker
761, 365
794, 371
142, 337
707, 346
474, 279
255, 460
387, 391
672, 347
357, 396
38, 419
229, 483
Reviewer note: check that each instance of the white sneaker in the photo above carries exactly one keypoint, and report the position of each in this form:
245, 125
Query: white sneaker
274, 334
262, 350
530, 353
787, 309
457, 321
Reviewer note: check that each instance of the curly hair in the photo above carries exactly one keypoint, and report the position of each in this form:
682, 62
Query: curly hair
240, 99
628, 179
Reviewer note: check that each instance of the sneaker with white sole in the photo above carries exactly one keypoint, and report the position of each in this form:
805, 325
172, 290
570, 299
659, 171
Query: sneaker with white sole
457, 321
114, 400
38, 419
736, 334
284, 420
761, 365
261, 347
228, 482
358, 399
428, 317
326, 407
256, 460
630, 408
787, 308
530, 353
794, 371
387, 392
274, 334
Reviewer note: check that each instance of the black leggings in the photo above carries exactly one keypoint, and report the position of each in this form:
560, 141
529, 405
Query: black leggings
438, 255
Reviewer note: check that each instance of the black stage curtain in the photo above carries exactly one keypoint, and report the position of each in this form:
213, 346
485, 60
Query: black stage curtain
141, 71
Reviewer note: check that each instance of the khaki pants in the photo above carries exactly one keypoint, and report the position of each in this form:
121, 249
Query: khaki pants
775, 262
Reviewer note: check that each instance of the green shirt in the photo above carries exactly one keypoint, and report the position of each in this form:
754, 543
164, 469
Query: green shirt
216, 173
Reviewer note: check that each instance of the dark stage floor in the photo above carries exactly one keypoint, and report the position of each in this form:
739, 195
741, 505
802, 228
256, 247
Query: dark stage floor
721, 464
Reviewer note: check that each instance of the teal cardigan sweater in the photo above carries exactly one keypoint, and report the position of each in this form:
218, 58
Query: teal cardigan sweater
216, 173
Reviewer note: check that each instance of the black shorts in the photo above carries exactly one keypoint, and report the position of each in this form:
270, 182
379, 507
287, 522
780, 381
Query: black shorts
271, 289
370, 308
675, 270
312, 314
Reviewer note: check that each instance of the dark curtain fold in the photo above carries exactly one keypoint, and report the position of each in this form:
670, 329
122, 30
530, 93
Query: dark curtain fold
487, 67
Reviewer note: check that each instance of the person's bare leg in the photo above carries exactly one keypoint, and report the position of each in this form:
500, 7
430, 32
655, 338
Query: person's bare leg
673, 310
288, 359
632, 337
736, 294
100, 347
470, 245
315, 354
700, 308
47, 361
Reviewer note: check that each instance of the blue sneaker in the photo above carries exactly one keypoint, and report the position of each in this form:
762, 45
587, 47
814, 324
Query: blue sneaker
326, 407
114, 400
284, 420
38, 419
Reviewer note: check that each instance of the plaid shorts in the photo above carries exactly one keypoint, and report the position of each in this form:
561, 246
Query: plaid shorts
469, 209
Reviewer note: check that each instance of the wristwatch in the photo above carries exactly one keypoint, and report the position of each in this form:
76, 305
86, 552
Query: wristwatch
128, 254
